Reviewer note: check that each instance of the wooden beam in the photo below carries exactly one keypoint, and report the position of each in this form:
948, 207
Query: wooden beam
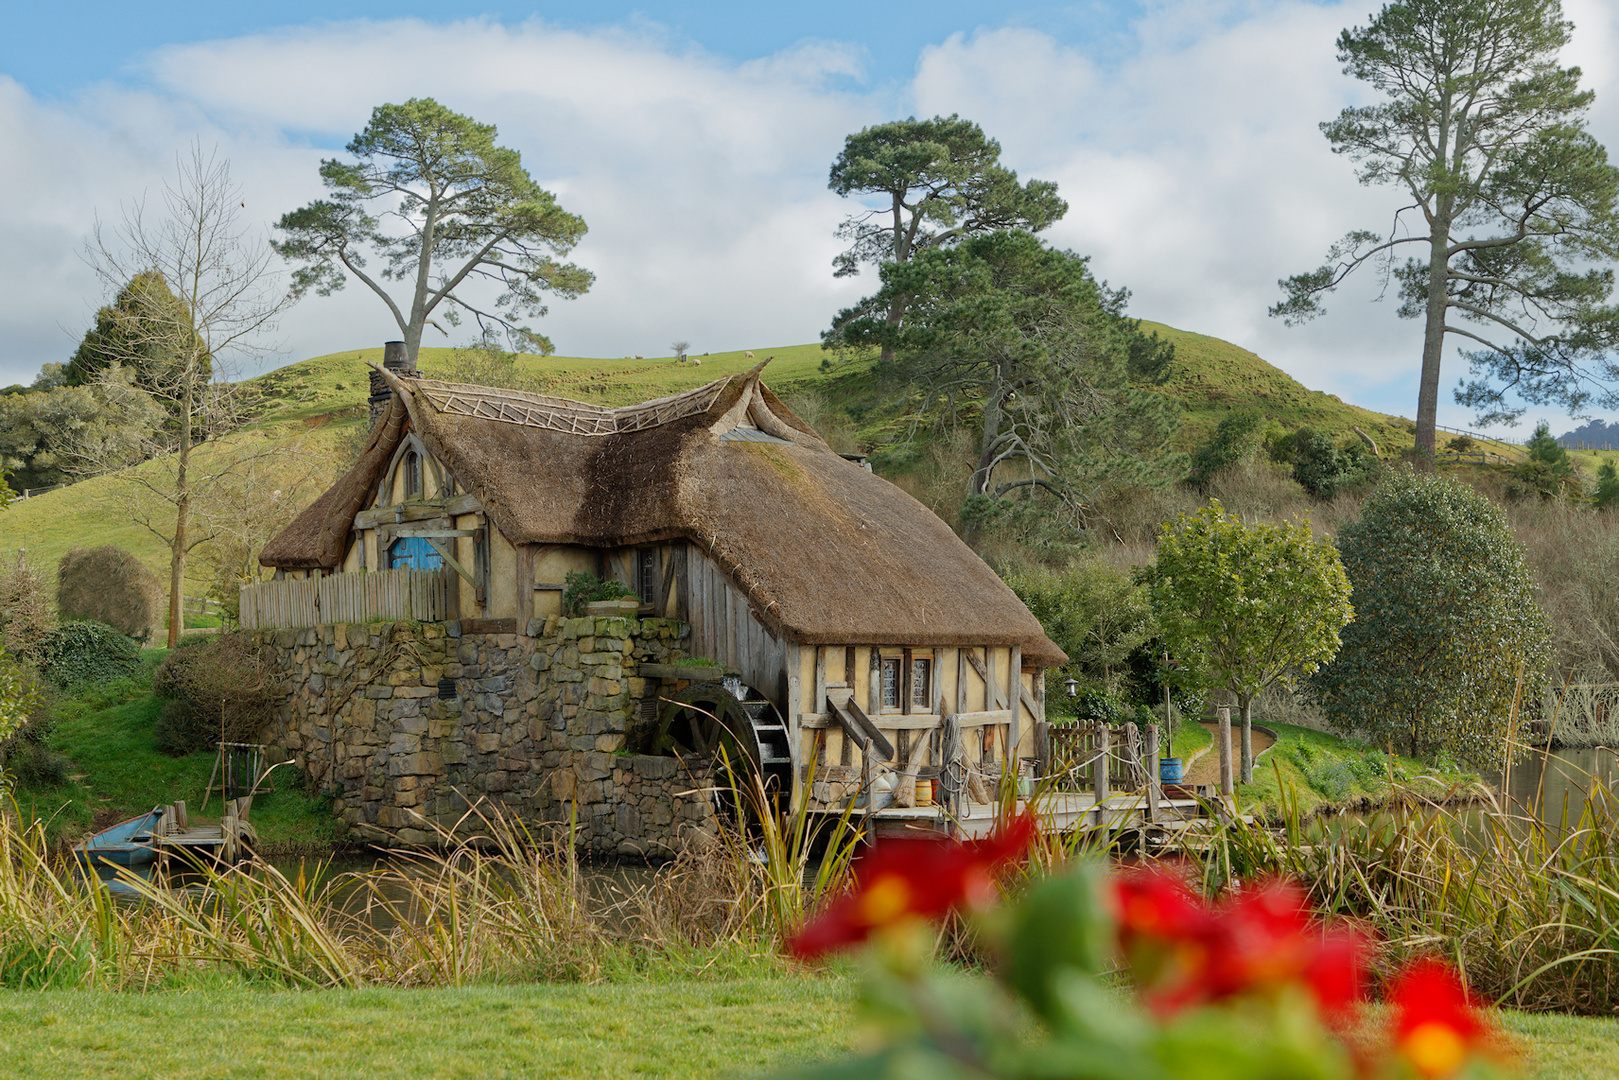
913, 722
454, 564
993, 699
859, 725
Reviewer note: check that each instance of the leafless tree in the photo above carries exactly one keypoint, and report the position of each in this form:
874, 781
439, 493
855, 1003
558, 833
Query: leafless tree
229, 294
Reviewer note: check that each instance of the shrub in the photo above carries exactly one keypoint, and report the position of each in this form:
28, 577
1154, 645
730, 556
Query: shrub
109, 585
24, 754
80, 652
216, 687
582, 587
1446, 622
1548, 472
1315, 463
1234, 441
25, 609
1098, 617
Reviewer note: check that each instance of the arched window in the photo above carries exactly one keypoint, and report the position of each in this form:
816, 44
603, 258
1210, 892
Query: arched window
413, 475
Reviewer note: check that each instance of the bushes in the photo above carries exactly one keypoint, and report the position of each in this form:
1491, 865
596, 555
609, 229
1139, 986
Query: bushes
583, 587
1447, 622
216, 688
25, 609
81, 652
111, 586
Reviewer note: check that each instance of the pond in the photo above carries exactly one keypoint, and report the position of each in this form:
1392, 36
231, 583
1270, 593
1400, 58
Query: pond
1558, 780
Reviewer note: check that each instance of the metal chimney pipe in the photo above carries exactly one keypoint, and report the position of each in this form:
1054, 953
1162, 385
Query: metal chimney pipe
396, 360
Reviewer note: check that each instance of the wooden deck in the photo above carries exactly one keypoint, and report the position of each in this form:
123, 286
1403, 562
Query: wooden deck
1059, 811
225, 842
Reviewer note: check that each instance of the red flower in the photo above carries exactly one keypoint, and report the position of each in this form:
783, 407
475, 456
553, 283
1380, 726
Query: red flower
903, 878
1436, 1027
1185, 952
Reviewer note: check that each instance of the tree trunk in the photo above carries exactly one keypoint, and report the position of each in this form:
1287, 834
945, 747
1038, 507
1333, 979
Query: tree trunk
1433, 338
177, 546
1246, 703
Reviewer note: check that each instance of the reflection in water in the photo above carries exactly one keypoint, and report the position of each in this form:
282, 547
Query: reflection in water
1557, 780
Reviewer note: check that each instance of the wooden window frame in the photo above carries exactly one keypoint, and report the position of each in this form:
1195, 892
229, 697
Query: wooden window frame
414, 486
646, 574
898, 683
924, 690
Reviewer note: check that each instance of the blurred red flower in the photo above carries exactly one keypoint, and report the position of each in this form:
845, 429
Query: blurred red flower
902, 878
1185, 952
1436, 1027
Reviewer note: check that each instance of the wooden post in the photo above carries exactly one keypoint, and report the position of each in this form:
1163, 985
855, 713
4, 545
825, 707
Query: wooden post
1226, 789
1151, 763
1042, 747
874, 692
1099, 764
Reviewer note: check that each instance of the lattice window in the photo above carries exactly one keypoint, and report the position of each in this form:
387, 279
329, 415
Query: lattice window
891, 675
413, 475
921, 684
646, 575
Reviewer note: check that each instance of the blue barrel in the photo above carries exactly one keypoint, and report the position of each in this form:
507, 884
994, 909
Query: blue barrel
1169, 770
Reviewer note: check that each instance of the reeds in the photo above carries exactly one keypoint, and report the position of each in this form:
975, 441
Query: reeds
504, 905
1528, 911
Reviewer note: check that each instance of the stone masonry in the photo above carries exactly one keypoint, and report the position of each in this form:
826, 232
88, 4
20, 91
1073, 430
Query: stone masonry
405, 725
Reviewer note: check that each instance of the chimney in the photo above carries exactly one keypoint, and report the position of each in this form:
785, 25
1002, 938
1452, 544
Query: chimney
396, 360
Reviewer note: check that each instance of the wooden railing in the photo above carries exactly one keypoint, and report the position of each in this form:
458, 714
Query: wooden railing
421, 595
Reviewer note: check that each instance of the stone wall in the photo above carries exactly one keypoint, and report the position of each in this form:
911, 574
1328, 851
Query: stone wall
405, 725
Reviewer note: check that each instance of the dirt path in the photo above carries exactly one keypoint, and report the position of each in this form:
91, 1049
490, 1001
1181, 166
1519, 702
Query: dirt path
1205, 769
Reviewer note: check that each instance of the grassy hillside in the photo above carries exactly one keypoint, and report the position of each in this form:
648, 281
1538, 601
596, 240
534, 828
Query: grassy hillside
318, 407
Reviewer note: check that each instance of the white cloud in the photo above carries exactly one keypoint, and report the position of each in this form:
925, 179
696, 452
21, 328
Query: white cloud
1192, 162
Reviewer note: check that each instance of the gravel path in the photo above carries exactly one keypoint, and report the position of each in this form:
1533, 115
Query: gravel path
1206, 768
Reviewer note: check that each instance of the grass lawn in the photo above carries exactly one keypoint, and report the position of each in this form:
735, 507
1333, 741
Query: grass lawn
1315, 768
720, 1028
682, 1029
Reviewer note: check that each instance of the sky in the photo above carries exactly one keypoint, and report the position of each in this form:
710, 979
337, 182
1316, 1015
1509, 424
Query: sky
695, 140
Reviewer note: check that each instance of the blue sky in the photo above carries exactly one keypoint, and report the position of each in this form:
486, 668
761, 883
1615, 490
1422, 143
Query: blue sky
40, 51
695, 138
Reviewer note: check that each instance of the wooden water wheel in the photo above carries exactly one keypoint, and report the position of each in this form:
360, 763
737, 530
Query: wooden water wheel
733, 724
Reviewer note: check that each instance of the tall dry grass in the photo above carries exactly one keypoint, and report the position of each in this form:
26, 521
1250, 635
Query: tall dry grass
1529, 912
507, 905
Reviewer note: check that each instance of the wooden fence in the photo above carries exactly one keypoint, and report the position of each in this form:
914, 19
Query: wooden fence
422, 595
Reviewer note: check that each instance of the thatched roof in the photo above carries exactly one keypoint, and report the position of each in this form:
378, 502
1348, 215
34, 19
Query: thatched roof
827, 552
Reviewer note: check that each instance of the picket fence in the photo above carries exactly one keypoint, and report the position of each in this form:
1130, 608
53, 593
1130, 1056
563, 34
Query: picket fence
422, 595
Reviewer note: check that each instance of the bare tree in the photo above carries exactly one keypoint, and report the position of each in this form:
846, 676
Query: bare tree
228, 294
680, 348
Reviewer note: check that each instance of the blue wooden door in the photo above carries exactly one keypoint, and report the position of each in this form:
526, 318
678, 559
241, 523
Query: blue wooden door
413, 552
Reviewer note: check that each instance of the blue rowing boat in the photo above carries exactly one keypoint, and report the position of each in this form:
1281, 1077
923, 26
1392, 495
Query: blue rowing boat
128, 843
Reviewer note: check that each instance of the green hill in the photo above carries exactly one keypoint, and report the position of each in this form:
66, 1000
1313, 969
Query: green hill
318, 405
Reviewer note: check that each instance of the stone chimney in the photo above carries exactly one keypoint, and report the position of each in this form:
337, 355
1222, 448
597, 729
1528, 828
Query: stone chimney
396, 360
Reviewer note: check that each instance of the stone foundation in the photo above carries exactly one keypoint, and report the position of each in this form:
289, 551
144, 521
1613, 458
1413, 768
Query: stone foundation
407, 725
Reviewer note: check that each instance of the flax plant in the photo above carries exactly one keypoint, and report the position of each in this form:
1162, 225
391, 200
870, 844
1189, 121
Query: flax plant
1528, 911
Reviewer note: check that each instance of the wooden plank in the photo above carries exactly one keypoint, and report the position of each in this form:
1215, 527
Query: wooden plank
859, 725
916, 721
874, 691
1014, 695
820, 676
905, 682
1151, 763
961, 681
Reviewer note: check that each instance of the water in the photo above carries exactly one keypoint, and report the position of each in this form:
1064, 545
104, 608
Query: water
1553, 781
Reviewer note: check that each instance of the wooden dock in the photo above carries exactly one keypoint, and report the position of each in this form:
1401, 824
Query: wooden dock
175, 836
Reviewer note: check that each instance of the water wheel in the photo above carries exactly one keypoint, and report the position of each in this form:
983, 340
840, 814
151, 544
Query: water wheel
737, 727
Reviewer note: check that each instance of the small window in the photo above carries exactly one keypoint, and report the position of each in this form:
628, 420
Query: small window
646, 575
891, 683
921, 684
413, 475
